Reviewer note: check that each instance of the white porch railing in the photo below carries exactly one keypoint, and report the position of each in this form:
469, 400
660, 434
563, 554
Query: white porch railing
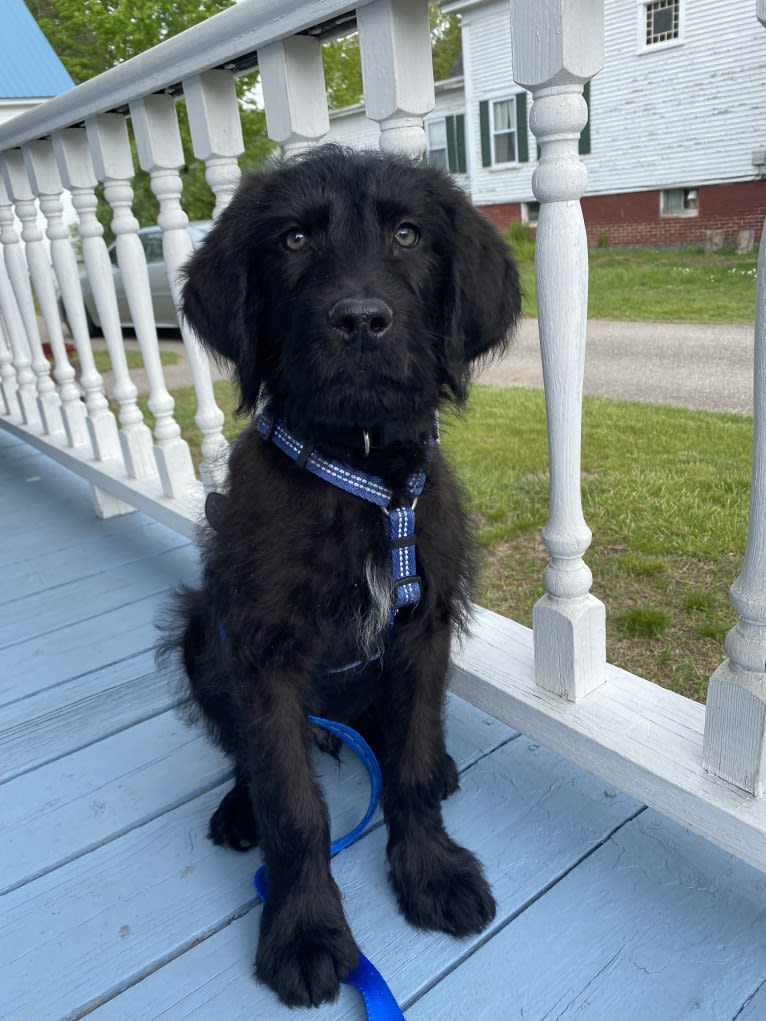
555, 686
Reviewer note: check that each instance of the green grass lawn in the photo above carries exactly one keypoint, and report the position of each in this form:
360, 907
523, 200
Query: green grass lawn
134, 359
658, 285
665, 492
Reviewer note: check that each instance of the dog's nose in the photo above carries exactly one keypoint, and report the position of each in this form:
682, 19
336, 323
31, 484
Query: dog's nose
364, 320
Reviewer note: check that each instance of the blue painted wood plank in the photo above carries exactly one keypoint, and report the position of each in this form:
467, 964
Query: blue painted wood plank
81, 648
60, 720
93, 921
530, 815
60, 811
97, 551
658, 924
86, 599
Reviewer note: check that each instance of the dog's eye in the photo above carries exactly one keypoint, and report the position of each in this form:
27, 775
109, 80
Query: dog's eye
406, 235
294, 240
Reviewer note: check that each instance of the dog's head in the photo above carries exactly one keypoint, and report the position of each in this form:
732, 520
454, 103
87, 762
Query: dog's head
356, 288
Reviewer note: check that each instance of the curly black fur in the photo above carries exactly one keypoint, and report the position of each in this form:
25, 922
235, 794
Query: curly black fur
290, 566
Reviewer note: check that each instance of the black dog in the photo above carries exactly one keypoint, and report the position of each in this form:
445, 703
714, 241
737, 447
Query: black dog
351, 293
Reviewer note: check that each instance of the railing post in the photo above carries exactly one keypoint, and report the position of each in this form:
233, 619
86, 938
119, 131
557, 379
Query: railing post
78, 175
160, 152
20, 185
557, 48
8, 385
397, 71
294, 94
113, 161
44, 176
16, 336
216, 131
735, 719
48, 401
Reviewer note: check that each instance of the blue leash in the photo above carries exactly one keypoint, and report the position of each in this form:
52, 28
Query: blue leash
378, 999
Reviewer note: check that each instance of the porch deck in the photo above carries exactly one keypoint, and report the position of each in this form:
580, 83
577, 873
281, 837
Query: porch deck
115, 906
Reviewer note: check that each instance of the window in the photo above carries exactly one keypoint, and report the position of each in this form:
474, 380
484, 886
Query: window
659, 23
446, 143
504, 138
530, 212
679, 202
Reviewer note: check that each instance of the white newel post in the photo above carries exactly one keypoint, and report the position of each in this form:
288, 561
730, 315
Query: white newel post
557, 48
160, 152
294, 94
48, 401
135, 439
216, 131
735, 719
395, 44
113, 161
44, 175
16, 336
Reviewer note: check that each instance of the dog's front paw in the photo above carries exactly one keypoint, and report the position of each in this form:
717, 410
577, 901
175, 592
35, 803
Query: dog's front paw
233, 822
440, 885
304, 962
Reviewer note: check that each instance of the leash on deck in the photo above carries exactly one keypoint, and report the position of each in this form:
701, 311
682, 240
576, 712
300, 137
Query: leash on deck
379, 1001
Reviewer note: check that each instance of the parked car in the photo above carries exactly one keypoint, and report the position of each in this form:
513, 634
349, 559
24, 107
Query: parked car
162, 300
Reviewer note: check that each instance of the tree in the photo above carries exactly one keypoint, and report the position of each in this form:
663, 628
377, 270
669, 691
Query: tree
90, 36
343, 68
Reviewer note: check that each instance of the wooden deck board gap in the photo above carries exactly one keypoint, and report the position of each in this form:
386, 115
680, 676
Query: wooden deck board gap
69, 680
145, 820
93, 574
80, 1012
170, 706
85, 620
497, 927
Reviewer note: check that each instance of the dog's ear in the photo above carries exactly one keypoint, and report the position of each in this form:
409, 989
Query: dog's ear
220, 306
486, 298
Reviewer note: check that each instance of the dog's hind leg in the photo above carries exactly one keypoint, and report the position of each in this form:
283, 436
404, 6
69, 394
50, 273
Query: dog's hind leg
233, 822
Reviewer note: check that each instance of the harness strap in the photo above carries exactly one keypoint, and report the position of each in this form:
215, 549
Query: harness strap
406, 583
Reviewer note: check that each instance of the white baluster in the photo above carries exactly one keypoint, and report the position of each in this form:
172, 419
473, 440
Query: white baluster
22, 359
160, 151
135, 439
110, 148
8, 384
395, 44
43, 173
48, 401
38, 260
216, 131
557, 47
294, 94
735, 718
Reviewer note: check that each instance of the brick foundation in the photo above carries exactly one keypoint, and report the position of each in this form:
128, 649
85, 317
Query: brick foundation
633, 218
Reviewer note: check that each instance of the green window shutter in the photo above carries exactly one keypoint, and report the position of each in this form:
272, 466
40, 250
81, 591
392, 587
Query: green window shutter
584, 145
486, 141
461, 165
451, 144
522, 129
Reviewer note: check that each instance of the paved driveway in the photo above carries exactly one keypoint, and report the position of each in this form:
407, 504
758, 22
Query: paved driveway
691, 366
686, 365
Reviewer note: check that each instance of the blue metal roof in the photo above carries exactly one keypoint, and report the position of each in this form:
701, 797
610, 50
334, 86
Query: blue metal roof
29, 67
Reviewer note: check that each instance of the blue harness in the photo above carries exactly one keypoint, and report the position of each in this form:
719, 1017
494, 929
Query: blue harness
401, 519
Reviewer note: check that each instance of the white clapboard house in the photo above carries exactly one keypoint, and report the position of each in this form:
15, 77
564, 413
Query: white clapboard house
676, 140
